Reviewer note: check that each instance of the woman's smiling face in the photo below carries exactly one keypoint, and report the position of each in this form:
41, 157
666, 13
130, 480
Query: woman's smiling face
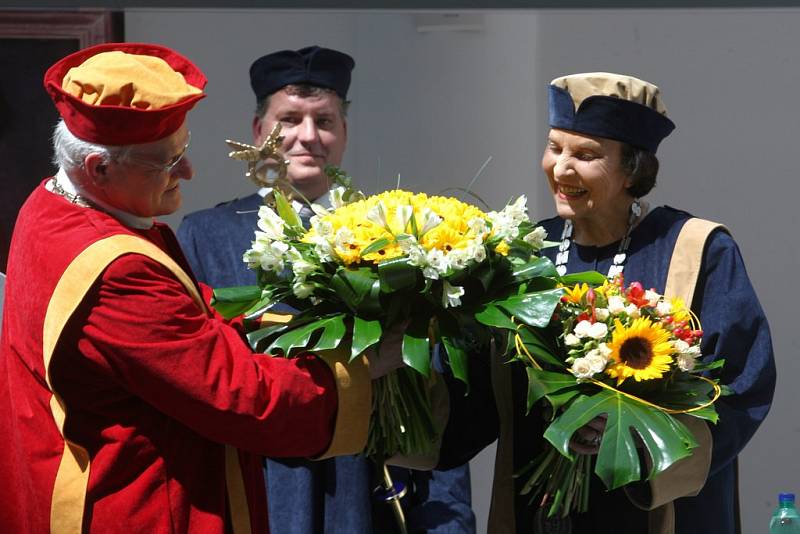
586, 177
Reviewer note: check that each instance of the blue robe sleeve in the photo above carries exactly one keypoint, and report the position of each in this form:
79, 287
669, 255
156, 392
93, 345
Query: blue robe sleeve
186, 238
736, 330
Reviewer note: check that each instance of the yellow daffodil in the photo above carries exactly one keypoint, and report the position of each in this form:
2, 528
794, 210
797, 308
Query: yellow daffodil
641, 350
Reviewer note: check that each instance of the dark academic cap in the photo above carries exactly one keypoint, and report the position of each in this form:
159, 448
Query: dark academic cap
313, 65
609, 105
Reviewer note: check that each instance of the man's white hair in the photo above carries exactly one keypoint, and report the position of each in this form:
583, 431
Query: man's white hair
69, 151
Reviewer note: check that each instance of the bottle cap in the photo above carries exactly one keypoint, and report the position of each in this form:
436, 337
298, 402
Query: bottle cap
786, 497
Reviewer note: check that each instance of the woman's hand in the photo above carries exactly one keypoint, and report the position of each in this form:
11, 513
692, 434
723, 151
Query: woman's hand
587, 438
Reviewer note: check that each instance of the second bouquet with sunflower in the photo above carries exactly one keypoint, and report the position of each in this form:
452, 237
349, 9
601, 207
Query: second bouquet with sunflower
631, 357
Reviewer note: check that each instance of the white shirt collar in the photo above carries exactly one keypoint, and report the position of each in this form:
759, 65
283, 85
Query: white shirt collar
128, 219
323, 201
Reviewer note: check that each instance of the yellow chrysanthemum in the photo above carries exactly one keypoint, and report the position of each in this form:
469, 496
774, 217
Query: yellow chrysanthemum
641, 351
575, 294
451, 234
679, 310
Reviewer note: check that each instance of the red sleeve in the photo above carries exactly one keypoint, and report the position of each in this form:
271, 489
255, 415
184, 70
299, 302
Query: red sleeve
152, 338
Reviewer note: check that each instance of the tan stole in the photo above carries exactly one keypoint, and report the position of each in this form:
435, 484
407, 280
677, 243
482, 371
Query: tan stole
72, 478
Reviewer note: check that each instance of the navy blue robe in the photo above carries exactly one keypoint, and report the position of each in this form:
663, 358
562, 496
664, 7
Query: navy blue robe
334, 495
735, 329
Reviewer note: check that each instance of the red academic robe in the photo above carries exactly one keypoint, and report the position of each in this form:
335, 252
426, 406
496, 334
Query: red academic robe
152, 386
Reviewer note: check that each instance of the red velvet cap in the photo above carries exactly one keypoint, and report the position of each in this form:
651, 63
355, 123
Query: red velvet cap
118, 124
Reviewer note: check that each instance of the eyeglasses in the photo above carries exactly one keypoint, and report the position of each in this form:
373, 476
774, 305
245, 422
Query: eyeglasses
164, 167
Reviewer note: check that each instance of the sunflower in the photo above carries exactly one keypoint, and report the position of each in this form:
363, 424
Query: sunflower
641, 350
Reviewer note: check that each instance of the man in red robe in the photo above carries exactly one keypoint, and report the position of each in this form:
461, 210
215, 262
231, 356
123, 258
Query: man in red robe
125, 404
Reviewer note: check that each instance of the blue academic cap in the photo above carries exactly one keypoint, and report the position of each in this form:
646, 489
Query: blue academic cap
313, 65
609, 105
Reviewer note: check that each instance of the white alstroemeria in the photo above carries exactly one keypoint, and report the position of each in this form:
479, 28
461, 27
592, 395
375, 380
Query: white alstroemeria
478, 227
652, 297
518, 210
428, 220
436, 264
272, 257
302, 290
686, 362
319, 210
582, 328
604, 350
571, 340
663, 308
582, 368
300, 266
323, 248
401, 218
598, 331
535, 238
632, 310
601, 313
451, 295
336, 196
414, 251
377, 214
616, 304
271, 223
343, 237
323, 228
596, 361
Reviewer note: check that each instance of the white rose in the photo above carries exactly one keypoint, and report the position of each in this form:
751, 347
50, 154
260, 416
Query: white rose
604, 350
681, 347
572, 340
596, 362
598, 331
685, 362
582, 368
663, 308
582, 328
601, 314
616, 304
633, 311
652, 297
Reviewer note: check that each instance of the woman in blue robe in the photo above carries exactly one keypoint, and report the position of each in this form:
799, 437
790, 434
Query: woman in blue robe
599, 161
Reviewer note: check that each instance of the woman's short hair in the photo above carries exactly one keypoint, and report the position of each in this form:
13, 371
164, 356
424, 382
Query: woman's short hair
70, 151
642, 167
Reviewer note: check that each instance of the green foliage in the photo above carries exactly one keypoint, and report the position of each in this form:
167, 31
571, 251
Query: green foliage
664, 437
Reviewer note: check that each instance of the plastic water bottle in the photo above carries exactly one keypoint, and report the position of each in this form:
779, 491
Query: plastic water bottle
785, 520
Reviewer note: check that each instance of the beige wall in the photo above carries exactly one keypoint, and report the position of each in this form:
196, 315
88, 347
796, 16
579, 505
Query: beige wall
433, 107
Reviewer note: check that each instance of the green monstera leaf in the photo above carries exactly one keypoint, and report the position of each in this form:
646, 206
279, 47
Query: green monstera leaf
665, 438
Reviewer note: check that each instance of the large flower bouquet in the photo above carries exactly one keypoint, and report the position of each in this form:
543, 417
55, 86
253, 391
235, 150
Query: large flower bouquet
628, 355
445, 271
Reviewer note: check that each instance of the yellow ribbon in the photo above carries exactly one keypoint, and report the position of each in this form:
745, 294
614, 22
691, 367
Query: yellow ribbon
522, 349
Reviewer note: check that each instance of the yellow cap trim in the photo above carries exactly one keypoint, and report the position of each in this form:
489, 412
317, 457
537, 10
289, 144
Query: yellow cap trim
117, 78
